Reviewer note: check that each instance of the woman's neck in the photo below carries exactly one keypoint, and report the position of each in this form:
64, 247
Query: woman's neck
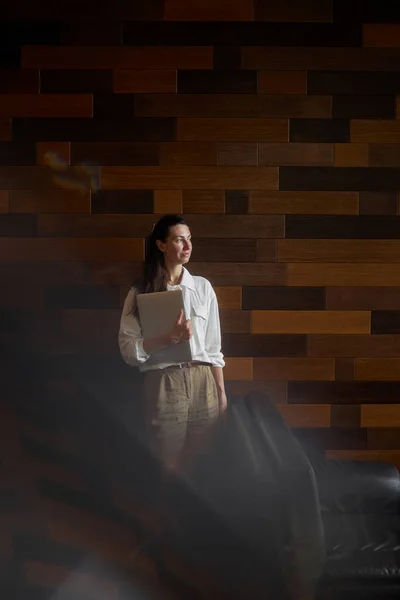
174, 274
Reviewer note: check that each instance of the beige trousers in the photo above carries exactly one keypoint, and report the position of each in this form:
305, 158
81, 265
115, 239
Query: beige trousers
181, 409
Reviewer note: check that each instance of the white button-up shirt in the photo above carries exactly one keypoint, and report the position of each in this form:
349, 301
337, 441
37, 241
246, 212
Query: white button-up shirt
200, 303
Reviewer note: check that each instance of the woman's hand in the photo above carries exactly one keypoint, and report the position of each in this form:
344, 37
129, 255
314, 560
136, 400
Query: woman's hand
182, 329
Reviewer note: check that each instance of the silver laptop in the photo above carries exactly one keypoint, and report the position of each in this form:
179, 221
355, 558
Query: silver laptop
158, 313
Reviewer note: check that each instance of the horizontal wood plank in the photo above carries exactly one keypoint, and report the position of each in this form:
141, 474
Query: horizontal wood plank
350, 274
381, 35
306, 415
238, 369
69, 249
377, 369
144, 81
229, 297
284, 203
45, 105
380, 415
339, 251
282, 82
43, 201
275, 155
375, 131
168, 201
294, 369
235, 321
386, 456
363, 298
294, 11
214, 178
357, 346
237, 154
236, 274
233, 130
306, 321
350, 155
175, 154
203, 201
223, 10
117, 57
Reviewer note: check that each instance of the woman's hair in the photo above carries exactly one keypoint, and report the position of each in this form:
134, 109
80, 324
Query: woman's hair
154, 276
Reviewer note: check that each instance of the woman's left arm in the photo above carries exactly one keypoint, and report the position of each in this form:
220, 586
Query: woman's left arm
213, 349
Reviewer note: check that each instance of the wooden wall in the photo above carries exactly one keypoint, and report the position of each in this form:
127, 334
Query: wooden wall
273, 126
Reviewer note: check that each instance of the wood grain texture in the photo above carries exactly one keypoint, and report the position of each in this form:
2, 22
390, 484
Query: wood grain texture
378, 203
255, 345
144, 81
339, 251
344, 227
276, 155
229, 297
221, 250
222, 81
235, 321
45, 105
116, 153
53, 154
284, 203
383, 438
380, 415
16, 81
266, 250
344, 392
99, 225
238, 369
67, 249
384, 155
350, 274
203, 201
168, 201
375, 132
92, 33
122, 202
306, 321
364, 107
381, 35
175, 10
294, 11
357, 346
233, 105
117, 57
344, 371
282, 82
236, 202
306, 415
236, 274
294, 369
362, 298
377, 369
238, 154
283, 298
276, 390
214, 178
189, 154
233, 130
350, 155
57, 201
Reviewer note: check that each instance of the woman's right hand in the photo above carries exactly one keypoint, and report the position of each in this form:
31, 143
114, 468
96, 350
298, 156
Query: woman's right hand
182, 329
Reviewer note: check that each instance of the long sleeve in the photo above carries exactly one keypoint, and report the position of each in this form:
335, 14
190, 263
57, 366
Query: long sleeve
213, 334
130, 335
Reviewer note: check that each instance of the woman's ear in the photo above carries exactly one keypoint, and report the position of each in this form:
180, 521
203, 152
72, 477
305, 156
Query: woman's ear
160, 245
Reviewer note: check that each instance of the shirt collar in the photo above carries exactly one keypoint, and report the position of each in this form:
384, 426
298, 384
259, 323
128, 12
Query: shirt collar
187, 280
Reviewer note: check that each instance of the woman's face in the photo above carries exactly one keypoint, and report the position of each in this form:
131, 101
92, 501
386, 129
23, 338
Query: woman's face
178, 246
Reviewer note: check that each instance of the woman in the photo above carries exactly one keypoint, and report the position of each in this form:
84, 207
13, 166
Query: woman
183, 400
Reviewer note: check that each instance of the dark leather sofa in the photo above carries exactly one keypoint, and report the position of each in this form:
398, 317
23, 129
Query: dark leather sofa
288, 525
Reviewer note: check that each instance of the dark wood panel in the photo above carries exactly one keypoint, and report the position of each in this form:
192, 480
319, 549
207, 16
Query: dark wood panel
113, 272
31, 178
234, 322
344, 369
217, 82
332, 438
284, 203
223, 10
45, 105
377, 369
116, 57
379, 415
276, 155
141, 10
221, 250
282, 82
378, 203
238, 154
145, 82
110, 154
342, 274
236, 226
283, 298
203, 201
309, 322
276, 390
351, 155
236, 202
5, 201
383, 438
384, 155
167, 201
243, 344
294, 369
321, 59
233, 130
226, 57
66, 249
18, 81
76, 82
5, 130
339, 178
17, 153
95, 130
96, 226
81, 296
319, 130
385, 321
189, 154
53, 154
336, 250
229, 297
18, 226
343, 227
366, 11
190, 178
54, 201
364, 107
346, 416
353, 82
356, 346
122, 202
363, 298
373, 131
231, 34
241, 273
382, 35
344, 392
266, 251
94, 32
293, 10
113, 106
232, 105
